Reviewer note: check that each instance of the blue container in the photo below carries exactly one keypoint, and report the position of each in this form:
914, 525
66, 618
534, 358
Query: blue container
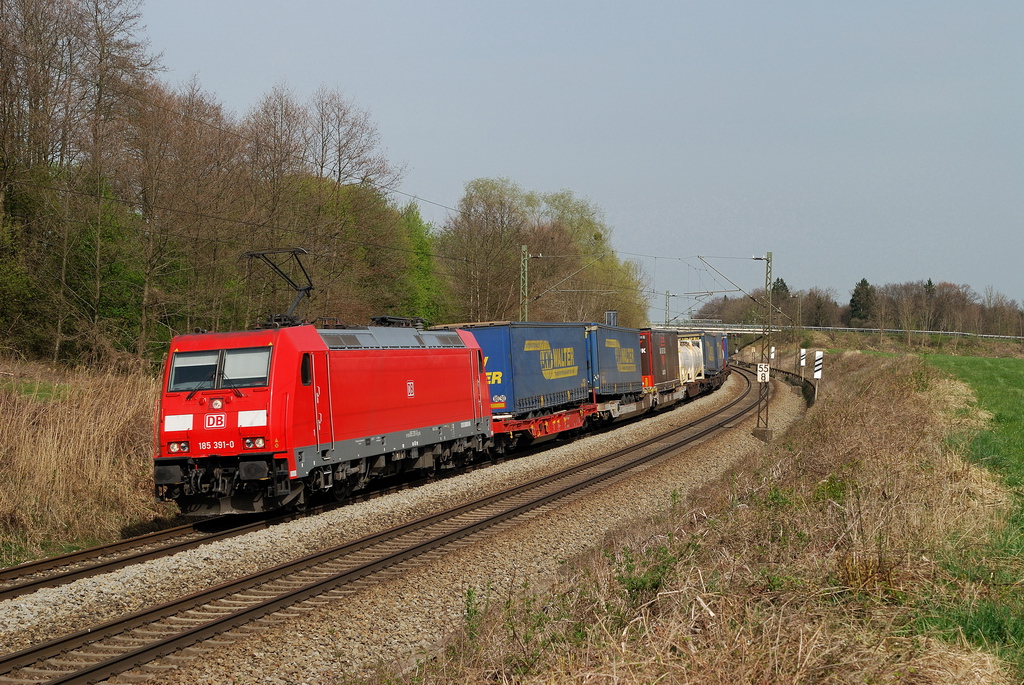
534, 366
614, 355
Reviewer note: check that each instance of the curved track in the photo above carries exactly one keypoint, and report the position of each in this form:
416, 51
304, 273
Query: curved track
102, 651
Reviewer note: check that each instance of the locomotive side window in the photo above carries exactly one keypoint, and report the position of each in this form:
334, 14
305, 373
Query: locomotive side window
190, 370
307, 369
246, 368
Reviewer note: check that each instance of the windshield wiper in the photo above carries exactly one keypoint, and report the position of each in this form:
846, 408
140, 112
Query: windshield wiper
229, 383
199, 385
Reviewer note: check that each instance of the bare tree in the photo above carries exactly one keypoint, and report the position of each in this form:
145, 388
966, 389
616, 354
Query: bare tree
1002, 315
953, 304
343, 144
276, 134
573, 274
40, 115
114, 67
180, 171
820, 308
481, 245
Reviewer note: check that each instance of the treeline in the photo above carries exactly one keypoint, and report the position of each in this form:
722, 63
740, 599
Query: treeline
126, 207
917, 305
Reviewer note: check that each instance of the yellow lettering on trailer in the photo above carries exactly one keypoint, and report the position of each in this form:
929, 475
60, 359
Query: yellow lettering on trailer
555, 363
558, 363
625, 359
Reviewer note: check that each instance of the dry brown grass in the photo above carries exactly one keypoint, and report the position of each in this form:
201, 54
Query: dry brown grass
805, 565
75, 450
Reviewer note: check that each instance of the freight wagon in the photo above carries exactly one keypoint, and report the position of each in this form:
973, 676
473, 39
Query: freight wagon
703, 360
549, 378
538, 375
614, 356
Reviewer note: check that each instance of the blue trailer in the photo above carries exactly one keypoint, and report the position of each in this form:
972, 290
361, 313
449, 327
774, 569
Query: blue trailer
716, 353
614, 356
533, 366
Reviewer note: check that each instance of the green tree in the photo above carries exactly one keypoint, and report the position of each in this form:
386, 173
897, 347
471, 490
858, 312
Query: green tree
862, 304
425, 297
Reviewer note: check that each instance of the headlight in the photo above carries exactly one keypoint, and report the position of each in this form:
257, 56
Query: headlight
176, 447
172, 448
216, 403
254, 443
260, 443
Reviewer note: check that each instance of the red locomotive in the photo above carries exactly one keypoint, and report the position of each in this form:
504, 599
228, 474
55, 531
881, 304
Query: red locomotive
257, 420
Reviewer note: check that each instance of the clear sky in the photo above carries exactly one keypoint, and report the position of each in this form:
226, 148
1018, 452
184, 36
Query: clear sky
872, 139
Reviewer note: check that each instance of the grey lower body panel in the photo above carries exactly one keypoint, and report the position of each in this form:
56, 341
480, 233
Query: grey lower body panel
312, 457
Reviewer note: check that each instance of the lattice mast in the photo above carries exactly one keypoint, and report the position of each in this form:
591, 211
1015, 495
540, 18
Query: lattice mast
524, 285
766, 346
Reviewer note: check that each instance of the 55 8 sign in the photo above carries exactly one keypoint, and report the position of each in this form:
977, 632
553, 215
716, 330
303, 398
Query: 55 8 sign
763, 371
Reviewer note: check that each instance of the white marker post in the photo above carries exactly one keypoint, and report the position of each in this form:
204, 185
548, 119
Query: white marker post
819, 363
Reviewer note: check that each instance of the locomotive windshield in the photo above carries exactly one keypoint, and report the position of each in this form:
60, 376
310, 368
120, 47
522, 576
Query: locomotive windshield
214, 369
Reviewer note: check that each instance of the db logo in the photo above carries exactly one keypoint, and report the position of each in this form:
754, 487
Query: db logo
216, 420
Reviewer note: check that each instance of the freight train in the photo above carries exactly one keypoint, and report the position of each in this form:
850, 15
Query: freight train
265, 419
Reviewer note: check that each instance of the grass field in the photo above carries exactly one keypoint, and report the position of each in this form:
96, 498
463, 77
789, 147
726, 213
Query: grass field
987, 602
999, 386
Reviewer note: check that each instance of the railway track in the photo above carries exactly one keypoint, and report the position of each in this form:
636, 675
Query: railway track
35, 575
102, 651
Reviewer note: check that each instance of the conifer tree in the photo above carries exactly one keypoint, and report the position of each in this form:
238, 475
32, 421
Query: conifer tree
862, 304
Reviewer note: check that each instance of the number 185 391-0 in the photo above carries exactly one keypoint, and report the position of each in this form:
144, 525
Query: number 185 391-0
217, 445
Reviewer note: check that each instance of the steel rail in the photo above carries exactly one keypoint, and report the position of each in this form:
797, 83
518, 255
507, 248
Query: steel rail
140, 543
41, 565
